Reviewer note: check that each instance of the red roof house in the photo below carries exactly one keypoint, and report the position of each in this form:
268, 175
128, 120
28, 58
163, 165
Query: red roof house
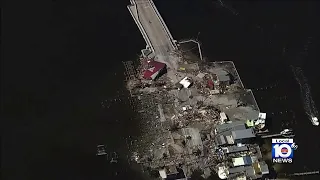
154, 69
210, 84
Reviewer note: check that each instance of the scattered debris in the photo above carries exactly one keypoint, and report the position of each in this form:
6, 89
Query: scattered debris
194, 117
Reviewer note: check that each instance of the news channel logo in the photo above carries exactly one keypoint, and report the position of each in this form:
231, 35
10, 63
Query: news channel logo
282, 150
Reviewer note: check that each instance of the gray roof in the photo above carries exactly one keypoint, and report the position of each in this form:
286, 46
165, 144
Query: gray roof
223, 78
243, 134
264, 167
220, 140
236, 169
146, 52
233, 176
247, 160
232, 149
250, 171
235, 125
220, 72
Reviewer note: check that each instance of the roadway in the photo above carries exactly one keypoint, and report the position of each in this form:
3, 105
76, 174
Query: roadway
153, 28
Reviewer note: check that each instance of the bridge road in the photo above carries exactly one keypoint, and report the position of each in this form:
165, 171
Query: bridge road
153, 27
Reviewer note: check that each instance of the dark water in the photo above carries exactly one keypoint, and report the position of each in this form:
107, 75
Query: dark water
63, 59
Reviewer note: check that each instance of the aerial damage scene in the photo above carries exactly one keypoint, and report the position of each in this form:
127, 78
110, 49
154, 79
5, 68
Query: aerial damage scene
162, 90
196, 115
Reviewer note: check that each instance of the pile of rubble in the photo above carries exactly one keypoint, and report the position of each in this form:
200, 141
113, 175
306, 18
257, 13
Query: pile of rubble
181, 104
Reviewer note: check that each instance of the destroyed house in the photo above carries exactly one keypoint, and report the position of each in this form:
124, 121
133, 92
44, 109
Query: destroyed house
154, 69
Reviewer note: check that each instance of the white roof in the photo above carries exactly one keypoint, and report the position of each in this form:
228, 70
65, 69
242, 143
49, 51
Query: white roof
238, 161
230, 139
163, 173
223, 116
185, 82
262, 115
222, 173
259, 121
242, 178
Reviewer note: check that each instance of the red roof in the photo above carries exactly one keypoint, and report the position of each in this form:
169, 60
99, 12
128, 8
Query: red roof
153, 69
210, 84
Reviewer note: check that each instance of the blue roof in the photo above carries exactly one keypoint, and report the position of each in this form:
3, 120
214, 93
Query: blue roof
247, 160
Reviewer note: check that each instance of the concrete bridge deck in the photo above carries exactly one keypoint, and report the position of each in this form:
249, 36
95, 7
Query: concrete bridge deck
152, 27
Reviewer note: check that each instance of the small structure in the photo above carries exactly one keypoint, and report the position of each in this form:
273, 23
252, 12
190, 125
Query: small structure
261, 168
114, 158
186, 82
242, 161
222, 172
259, 123
146, 52
210, 84
101, 150
154, 69
262, 116
223, 117
163, 173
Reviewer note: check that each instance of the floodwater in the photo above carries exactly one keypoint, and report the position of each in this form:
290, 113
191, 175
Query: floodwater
63, 88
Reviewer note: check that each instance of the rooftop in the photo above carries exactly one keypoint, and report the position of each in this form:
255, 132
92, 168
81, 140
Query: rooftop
233, 125
233, 149
243, 134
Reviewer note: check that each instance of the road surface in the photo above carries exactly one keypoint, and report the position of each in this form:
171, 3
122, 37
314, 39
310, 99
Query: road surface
153, 29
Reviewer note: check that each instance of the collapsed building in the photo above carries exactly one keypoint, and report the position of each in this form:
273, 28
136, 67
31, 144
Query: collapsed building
190, 113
